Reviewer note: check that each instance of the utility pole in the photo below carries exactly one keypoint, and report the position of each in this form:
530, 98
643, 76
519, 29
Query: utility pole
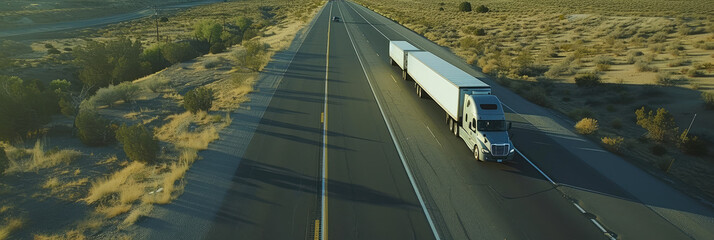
156, 18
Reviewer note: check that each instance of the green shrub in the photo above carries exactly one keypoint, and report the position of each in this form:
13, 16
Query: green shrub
139, 143
692, 145
128, 91
253, 55
602, 67
665, 79
178, 52
93, 130
106, 96
156, 84
708, 100
694, 73
587, 80
586, 126
643, 66
4, 161
24, 107
465, 7
480, 32
199, 99
154, 57
102, 64
613, 143
208, 31
482, 9
217, 48
660, 125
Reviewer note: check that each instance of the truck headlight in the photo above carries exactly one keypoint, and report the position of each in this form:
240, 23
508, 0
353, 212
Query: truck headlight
512, 150
484, 150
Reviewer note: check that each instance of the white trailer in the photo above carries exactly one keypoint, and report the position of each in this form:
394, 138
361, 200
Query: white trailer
398, 51
443, 82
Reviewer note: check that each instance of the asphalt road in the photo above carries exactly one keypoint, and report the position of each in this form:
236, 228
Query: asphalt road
329, 158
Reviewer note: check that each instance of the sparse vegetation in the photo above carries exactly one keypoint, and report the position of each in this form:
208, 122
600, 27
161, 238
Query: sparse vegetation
4, 161
199, 99
24, 107
465, 7
708, 100
93, 129
586, 126
613, 143
587, 80
139, 143
660, 126
253, 55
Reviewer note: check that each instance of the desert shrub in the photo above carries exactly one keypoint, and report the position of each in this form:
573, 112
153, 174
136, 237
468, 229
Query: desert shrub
643, 66
102, 64
694, 73
658, 150
217, 48
128, 91
665, 79
587, 80
562, 68
658, 37
632, 56
678, 62
139, 143
692, 145
208, 31
708, 100
4, 161
704, 45
482, 9
604, 60
92, 129
154, 59
243, 23
24, 107
480, 32
199, 99
586, 126
53, 51
581, 113
156, 84
613, 143
106, 96
537, 95
178, 52
465, 7
602, 67
660, 125
253, 55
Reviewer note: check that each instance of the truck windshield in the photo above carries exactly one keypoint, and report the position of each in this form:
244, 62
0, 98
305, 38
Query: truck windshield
491, 125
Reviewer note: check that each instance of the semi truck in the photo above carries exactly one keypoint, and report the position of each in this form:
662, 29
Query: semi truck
472, 112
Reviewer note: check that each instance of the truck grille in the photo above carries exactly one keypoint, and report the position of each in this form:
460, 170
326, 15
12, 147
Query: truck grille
499, 149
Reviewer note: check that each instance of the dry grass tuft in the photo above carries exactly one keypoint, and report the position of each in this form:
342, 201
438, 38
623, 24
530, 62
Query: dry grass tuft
36, 158
586, 126
51, 183
136, 214
177, 131
113, 211
112, 184
10, 225
70, 235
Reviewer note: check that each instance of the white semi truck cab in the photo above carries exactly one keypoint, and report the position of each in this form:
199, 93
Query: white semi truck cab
472, 113
484, 128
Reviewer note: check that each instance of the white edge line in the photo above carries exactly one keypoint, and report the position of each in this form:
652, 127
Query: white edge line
324, 140
375, 28
432, 134
394, 140
579, 208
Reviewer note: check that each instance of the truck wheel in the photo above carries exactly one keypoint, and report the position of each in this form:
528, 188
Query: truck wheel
476, 153
456, 128
391, 61
418, 89
450, 122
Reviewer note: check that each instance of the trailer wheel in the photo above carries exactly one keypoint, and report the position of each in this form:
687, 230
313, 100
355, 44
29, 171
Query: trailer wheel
391, 61
450, 122
456, 128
